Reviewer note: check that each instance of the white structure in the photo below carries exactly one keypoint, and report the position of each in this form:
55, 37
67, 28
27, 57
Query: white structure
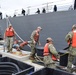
11, 7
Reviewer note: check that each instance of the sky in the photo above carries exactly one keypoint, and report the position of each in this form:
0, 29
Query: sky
12, 6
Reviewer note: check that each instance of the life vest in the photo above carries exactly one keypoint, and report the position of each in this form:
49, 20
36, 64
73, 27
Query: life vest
46, 50
54, 58
23, 43
9, 32
74, 39
36, 36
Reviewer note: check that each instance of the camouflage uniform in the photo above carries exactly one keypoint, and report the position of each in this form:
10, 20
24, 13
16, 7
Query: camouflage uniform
48, 59
72, 52
33, 51
9, 39
9, 43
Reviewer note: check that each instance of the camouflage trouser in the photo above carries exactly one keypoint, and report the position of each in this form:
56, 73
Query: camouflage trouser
52, 65
33, 50
9, 43
49, 62
70, 60
71, 56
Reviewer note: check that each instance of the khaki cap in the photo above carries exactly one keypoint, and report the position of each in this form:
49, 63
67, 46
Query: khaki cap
10, 25
74, 26
49, 39
39, 27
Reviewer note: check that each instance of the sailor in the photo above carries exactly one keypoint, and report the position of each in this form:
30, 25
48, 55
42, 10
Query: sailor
35, 40
71, 40
16, 44
23, 44
38, 11
9, 37
49, 50
23, 12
